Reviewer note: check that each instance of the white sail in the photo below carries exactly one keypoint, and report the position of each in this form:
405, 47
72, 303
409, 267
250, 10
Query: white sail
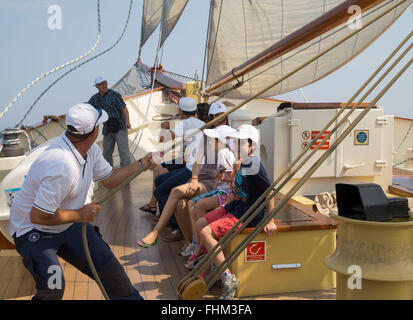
172, 12
151, 17
164, 12
239, 30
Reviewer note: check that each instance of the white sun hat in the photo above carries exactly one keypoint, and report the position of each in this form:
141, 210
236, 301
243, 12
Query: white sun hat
221, 132
246, 131
84, 118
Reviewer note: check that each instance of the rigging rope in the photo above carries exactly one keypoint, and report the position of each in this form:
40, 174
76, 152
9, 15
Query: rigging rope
152, 86
44, 75
78, 66
405, 137
212, 254
215, 42
206, 44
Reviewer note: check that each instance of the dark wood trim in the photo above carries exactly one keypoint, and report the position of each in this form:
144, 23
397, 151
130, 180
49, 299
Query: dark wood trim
315, 220
402, 118
161, 78
326, 105
4, 243
310, 31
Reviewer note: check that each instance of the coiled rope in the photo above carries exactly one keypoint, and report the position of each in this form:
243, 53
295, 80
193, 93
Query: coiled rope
44, 75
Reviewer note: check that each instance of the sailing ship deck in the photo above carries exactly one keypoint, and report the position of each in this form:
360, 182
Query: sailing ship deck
154, 271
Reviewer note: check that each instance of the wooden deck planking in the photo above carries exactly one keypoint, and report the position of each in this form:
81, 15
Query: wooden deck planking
155, 272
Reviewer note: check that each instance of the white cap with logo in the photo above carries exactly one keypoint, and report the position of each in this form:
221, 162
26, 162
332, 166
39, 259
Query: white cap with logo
84, 118
217, 107
246, 131
99, 80
187, 104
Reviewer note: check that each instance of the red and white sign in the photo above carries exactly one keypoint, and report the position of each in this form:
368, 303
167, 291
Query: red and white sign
325, 145
306, 135
256, 251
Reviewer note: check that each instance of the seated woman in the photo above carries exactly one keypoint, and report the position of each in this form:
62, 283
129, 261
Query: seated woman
203, 178
198, 206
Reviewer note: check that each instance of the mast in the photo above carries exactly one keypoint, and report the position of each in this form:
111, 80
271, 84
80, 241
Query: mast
310, 31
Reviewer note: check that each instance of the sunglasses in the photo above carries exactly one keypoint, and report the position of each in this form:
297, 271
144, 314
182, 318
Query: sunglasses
100, 115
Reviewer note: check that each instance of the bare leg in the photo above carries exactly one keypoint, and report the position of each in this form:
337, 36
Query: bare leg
192, 218
209, 241
177, 193
182, 218
202, 206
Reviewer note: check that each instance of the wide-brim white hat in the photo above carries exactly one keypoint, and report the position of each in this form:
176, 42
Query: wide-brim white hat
221, 132
246, 131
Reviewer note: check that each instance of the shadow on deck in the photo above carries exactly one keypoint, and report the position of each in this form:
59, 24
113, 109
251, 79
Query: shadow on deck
155, 272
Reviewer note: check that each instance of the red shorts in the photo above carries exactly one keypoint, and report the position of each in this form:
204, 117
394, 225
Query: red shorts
220, 221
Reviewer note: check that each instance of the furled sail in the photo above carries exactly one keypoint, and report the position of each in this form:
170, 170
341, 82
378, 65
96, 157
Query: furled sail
241, 30
151, 17
136, 80
164, 12
172, 12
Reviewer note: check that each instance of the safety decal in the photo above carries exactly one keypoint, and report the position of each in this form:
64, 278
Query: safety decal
361, 137
306, 135
325, 145
256, 251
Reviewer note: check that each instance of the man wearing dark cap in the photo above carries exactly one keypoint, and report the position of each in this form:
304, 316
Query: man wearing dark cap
46, 214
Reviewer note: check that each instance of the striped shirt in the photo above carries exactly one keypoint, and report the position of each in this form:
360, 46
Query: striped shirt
112, 103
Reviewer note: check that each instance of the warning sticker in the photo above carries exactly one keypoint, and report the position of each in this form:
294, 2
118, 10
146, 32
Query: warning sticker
256, 251
304, 144
361, 137
306, 135
325, 145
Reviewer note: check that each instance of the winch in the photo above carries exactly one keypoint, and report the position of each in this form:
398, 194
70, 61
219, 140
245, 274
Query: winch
12, 145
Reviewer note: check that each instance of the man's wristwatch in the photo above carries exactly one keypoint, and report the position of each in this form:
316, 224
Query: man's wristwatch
140, 163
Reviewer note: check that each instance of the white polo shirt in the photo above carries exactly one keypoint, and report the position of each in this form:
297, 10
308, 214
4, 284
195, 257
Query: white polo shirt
58, 179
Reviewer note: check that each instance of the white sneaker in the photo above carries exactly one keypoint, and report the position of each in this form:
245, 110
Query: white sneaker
189, 250
191, 264
229, 286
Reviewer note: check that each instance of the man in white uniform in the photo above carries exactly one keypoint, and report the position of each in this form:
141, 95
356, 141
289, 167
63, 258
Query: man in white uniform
46, 214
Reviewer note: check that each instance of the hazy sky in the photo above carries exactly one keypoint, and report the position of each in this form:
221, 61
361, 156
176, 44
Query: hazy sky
30, 48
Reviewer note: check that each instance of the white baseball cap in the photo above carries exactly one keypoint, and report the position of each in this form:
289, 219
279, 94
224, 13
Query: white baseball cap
217, 107
99, 80
246, 131
221, 132
84, 118
187, 104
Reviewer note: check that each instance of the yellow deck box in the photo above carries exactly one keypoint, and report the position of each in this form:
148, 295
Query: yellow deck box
293, 260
